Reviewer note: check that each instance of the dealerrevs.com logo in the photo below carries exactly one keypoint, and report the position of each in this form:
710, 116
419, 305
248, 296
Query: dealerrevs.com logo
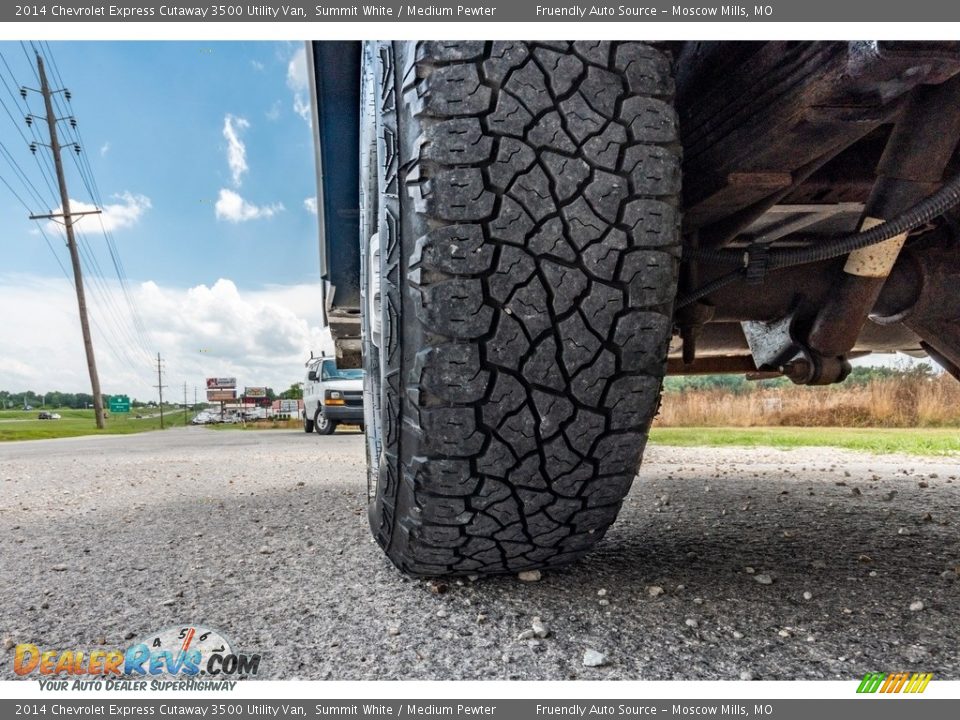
889, 683
182, 658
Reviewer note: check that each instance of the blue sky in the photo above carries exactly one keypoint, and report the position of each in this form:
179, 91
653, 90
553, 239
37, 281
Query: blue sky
153, 116
204, 158
203, 155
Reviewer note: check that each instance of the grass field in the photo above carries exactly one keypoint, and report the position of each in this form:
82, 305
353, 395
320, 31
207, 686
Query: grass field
20, 425
904, 401
925, 441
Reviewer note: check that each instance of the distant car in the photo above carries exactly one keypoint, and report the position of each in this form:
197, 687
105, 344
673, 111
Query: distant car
54, 416
44, 415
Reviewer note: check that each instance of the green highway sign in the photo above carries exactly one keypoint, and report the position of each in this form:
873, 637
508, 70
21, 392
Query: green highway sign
119, 404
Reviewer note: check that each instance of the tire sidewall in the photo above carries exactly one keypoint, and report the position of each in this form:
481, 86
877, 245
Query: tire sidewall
369, 223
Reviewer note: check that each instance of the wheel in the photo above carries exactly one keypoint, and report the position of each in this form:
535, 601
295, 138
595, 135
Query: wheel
323, 425
520, 230
307, 424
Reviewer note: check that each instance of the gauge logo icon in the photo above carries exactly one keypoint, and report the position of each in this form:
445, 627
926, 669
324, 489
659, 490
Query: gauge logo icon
188, 650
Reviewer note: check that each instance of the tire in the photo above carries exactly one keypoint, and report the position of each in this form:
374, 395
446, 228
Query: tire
307, 424
322, 425
528, 231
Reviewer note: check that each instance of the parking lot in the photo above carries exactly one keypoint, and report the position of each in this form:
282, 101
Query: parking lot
725, 564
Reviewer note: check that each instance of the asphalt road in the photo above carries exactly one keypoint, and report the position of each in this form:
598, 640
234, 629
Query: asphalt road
263, 536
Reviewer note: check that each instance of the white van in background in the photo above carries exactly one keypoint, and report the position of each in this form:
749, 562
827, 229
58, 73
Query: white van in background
331, 396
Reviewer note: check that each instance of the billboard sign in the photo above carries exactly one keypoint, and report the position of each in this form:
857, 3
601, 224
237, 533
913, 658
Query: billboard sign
221, 395
215, 383
289, 406
255, 392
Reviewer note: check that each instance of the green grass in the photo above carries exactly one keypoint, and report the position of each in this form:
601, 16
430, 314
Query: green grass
920, 441
80, 422
925, 441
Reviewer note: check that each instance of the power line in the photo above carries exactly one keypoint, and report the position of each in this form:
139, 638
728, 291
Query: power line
16, 123
109, 306
160, 386
82, 161
99, 288
21, 174
128, 325
68, 217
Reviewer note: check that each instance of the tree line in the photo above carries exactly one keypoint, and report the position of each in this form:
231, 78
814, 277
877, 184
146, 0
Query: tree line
55, 399
77, 401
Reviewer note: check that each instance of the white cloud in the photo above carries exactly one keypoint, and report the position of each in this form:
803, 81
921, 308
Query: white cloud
310, 204
301, 107
274, 112
233, 208
262, 337
104, 149
257, 65
297, 70
124, 213
297, 81
236, 150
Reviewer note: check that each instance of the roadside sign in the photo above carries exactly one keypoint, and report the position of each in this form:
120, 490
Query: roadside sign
119, 404
221, 395
255, 392
221, 382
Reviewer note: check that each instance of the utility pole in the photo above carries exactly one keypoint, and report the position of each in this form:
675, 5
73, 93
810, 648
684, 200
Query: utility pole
71, 241
160, 387
185, 419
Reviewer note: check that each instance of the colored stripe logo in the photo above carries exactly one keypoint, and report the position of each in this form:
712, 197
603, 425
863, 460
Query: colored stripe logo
888, 683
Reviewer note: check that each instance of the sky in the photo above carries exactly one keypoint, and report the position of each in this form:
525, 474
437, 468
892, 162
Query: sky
202, 156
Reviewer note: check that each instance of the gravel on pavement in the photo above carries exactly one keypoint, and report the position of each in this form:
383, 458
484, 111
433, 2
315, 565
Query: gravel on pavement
262, 535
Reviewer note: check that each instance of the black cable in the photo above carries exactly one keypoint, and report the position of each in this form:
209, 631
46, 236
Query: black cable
944, 199
757, 259
710, 287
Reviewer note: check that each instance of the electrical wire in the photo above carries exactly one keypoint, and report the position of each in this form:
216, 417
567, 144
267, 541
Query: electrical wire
45, 172
710, 288
82, 162
128, 327
758, 259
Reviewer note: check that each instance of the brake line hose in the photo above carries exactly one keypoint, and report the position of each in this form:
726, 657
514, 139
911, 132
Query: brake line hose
757, 259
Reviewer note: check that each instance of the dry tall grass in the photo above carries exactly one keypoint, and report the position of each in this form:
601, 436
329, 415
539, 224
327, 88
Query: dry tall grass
907, 401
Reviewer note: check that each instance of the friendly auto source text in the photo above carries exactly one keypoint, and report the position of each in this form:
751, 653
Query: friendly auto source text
583, 11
